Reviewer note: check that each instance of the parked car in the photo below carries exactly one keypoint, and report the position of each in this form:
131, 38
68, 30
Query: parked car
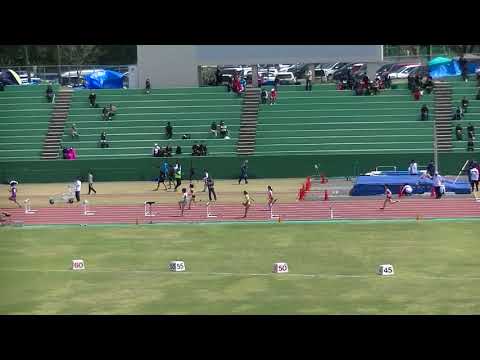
396, 67
384, 69
356, 70
329, 69
286, 78
422, 71
268, 78
402, 73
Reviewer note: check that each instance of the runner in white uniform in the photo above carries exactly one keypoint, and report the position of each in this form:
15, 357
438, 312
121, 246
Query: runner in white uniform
388, 197
270, 198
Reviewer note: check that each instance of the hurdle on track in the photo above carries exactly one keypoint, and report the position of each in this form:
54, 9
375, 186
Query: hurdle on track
209, 214
148, 208
28, 208
272, 215
86, 210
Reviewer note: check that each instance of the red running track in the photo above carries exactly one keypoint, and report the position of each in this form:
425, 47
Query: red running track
427, 208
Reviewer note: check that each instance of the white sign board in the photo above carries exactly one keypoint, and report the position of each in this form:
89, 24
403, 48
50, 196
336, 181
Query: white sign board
385, 270
176, 266
78, 264
280, 267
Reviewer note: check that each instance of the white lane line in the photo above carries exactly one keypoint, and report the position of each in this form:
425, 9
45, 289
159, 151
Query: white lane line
161, 272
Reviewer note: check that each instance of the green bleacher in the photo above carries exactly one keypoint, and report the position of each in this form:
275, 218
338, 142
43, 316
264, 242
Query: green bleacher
329, 121
141, 119
469, 91
24, 117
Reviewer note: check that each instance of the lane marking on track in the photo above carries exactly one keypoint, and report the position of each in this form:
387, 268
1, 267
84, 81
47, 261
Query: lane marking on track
287, 275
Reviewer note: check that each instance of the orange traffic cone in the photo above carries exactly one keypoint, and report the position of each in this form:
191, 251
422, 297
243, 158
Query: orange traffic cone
433, 193
325, 196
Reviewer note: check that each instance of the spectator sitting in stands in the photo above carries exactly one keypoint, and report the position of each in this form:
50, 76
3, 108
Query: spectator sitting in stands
147, 86
74, 131
203, 149
195, 150
178, 150
357, 88
186, 136
168, 130
464, 104
49, 93
105, 113
264, 96
223, 129
213, 128
103, 140
112, 110
156, 150
168, 150
374, 86
458, 115
459, 132
92, 98
65, 153
424, 112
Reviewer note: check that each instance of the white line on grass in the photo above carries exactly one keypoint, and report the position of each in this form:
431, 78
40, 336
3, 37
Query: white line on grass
291, 275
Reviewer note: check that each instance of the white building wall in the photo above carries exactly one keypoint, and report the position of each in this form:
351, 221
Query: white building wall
177, 65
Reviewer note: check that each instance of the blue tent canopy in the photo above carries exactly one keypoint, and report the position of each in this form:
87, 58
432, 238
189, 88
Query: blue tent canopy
442, 67
104, 79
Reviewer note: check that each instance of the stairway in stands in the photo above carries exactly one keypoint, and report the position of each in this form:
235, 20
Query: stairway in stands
248, 122
443, 115
56, 127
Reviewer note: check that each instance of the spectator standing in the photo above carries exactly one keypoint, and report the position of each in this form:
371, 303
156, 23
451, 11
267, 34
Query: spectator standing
264, 96
178, 175
218, 76
471, 131
458, 115
276, 82
168, 130
205, 177
470, 144
211, 189
273, 96
474, 178
463, 67
243, 172
437, 183
90, 184
424, 112
92, 98
178, 150
78, 188
431, 169
321, 74
156, 150
308, 78
412, 169
416, 94
147, 86
49, 93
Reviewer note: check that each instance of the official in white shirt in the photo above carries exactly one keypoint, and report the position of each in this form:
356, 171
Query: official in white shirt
437, 183
474, 178
78, 188
412, 169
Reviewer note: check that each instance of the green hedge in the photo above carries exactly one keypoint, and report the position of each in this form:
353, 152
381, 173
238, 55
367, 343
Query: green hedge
219, 167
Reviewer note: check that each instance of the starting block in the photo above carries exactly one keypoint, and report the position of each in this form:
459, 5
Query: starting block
86, 211
148, 208
209, 214
28, 208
